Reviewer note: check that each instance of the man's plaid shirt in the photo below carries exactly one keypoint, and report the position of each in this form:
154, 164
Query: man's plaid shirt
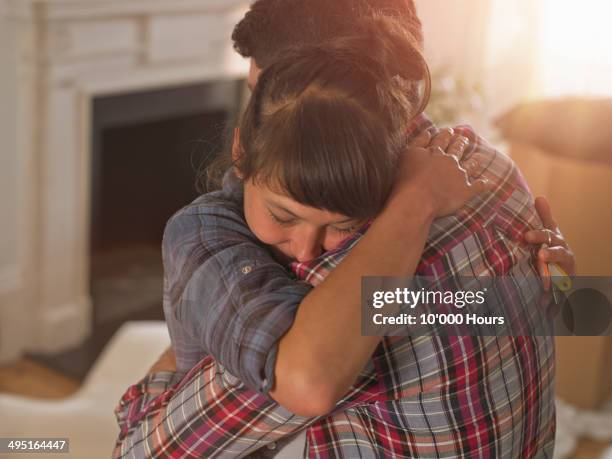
425, 397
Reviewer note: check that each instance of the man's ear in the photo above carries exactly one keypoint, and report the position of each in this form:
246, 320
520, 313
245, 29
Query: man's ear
236, 152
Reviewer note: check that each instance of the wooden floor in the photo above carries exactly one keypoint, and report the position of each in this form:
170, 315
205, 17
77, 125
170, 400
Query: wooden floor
589, 449
28, 378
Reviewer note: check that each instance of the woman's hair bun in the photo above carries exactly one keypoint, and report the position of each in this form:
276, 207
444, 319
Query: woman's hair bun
384, 48
385, 40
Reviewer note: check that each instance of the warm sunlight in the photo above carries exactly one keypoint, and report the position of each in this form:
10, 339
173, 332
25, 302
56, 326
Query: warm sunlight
576, 48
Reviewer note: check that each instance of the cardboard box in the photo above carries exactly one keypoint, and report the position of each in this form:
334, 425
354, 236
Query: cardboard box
580, 193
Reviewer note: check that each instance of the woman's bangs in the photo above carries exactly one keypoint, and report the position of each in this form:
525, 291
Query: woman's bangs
325, 161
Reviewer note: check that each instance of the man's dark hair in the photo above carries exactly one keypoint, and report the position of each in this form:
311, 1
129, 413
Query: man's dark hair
271, 26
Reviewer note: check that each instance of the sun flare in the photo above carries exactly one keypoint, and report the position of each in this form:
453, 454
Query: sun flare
576, 47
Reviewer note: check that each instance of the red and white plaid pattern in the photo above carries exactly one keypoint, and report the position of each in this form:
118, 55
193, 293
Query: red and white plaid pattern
426, 397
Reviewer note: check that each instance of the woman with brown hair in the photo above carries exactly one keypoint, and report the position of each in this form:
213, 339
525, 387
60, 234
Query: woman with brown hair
323, 170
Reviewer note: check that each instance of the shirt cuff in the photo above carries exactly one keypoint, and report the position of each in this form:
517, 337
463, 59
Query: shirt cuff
155, 384
137, 398
268, 382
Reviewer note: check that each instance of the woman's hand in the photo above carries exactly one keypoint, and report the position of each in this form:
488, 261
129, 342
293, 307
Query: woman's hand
554, 248
430, 174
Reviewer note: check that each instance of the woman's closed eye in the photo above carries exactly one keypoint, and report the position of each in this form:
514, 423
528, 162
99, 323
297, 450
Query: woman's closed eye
281, 221
348, 230
285, 222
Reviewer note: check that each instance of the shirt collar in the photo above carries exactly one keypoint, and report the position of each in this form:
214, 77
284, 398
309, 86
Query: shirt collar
232, 186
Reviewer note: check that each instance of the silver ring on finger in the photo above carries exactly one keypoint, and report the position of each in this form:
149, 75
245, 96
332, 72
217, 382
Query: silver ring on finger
549, 233
456, 156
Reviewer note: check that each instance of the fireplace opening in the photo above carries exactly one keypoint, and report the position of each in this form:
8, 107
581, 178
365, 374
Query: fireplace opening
148, 148
147, 172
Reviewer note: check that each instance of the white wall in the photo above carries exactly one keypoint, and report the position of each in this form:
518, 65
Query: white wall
9, 161
490, 42
455, 34
14, 178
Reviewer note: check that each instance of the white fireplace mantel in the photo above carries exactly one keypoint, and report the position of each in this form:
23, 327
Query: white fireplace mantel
55, 57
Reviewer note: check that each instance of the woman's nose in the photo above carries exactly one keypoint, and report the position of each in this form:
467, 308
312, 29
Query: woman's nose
307, 245
308, 252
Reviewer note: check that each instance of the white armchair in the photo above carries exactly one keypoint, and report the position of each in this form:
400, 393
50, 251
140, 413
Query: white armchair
87, 417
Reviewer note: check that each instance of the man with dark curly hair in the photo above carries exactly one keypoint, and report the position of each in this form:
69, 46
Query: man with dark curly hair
427, 397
